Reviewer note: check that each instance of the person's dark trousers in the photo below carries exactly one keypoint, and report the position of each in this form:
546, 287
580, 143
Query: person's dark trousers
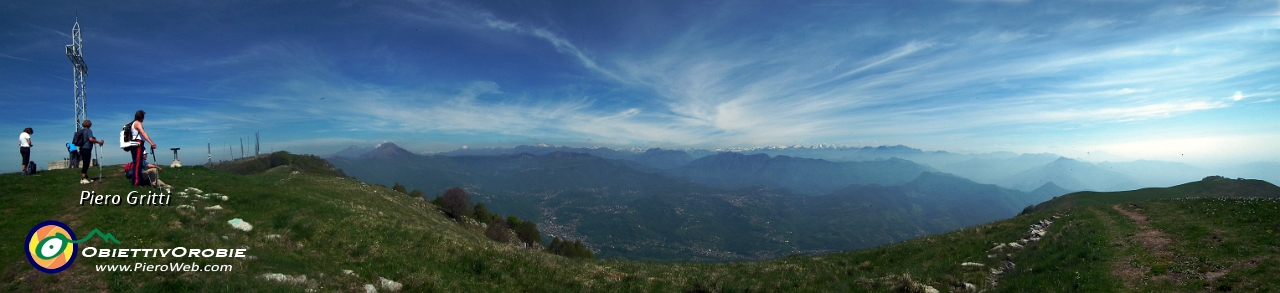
86, 156
26, 155
136, 154
74, 157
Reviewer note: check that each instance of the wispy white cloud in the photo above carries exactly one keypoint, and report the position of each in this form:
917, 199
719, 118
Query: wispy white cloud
1180, 10
1125, 91
905, 50
16, 58
562, 45
47, 30
464, 15
996, 1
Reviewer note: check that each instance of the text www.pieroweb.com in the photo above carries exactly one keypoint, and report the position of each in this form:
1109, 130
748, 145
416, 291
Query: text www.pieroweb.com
164, 252
169, 267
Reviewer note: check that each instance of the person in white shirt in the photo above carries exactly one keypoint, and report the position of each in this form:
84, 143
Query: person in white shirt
138, 153
24, 146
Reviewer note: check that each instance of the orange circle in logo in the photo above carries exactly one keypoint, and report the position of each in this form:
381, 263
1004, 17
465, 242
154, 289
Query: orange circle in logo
51, 247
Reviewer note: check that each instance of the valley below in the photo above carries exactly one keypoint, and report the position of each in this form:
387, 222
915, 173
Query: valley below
665, 205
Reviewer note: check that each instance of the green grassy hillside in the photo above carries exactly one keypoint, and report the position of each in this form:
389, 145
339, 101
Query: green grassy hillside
1212, 186
328, 224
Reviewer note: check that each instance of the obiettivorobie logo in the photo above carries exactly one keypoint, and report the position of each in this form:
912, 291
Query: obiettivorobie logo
52, 246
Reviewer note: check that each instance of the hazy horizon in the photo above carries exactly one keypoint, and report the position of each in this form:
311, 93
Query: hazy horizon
1100, 81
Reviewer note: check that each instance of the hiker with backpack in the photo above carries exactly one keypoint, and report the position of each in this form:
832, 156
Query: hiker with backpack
84, 140
131, 141
24, 147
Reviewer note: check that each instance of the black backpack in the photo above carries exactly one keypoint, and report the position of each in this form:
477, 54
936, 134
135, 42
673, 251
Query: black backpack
127, 136
78, 139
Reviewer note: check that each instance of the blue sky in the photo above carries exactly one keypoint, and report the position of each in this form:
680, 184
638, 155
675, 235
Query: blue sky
1191, 81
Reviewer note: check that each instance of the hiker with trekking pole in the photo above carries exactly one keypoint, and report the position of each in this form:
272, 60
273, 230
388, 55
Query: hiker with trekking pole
131, 138
84, 140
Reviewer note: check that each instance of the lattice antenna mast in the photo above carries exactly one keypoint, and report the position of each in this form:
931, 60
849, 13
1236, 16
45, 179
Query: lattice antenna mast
75, 53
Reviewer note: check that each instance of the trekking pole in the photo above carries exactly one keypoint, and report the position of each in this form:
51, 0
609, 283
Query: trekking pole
99, 160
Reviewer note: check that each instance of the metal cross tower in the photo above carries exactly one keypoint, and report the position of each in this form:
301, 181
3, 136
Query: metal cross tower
77, 60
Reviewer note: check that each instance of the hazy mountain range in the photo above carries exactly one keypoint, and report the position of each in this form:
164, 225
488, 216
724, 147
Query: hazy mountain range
808, 176
659, 204
1007, 169
716, 207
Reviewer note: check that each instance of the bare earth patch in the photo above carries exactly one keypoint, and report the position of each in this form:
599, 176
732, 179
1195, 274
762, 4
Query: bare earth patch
1149, 237
1128, 272
1155, 240
1126, 268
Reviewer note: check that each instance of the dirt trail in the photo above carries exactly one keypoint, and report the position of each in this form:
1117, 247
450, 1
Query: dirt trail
1122, 268
1159, 244
1149, 237
1154, 240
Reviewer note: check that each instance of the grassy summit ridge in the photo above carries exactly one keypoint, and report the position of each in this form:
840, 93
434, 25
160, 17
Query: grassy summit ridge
328, 224
1212, 186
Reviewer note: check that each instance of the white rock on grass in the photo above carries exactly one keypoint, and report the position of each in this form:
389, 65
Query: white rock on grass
391, 286
223, 198
272, 236
1015, 245
214, 208
368, 288
282, 278
186, 207
240, 224
928, 289
349, 272
970, 287
972, 264
278, 277
193, 190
